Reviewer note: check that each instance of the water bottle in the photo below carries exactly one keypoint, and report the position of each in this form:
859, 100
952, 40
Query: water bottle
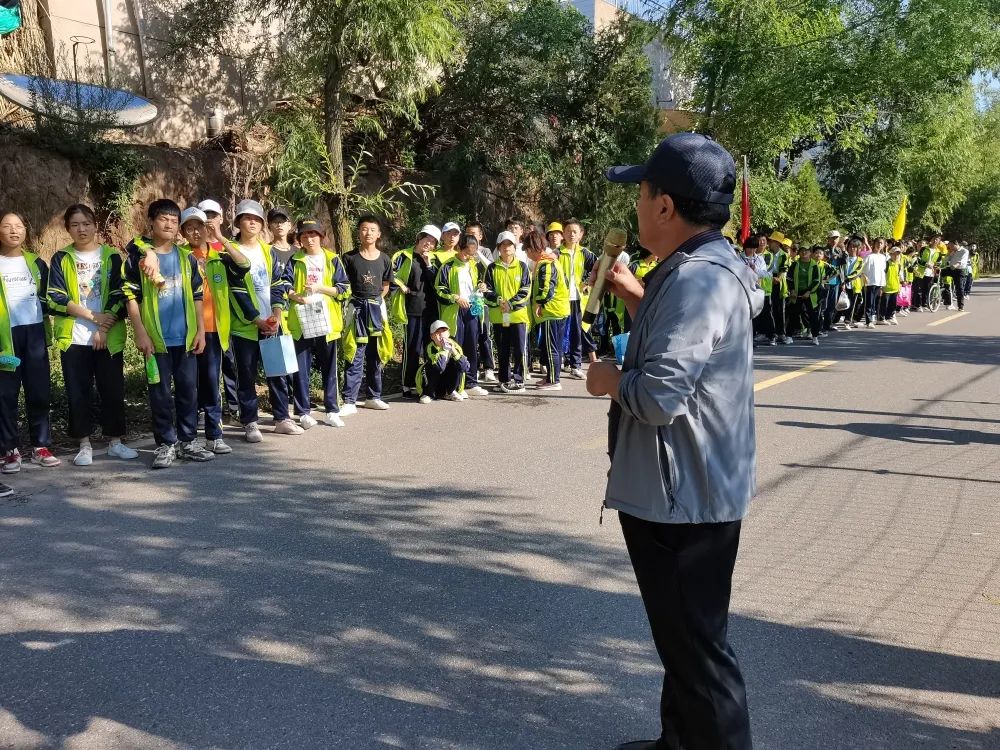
152, 370
506, 319
476, 305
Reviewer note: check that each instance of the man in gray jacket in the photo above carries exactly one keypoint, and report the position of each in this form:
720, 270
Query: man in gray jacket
681, 434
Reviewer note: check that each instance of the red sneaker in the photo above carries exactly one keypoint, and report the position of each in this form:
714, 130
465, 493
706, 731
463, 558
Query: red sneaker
11, 462
44, 457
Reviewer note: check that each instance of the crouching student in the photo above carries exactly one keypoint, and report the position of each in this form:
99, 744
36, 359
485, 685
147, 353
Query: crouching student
88, 320
550, 298
442, 375
24, 358
316, 275
508, 289
215, 314
168, 325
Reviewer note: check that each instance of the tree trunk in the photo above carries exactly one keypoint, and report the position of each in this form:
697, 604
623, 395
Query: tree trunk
333, 124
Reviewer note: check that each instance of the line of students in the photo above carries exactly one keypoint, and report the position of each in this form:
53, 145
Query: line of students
878, 281
199, 304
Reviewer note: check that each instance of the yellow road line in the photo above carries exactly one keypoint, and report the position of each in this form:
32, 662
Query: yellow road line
945, 320
792, 375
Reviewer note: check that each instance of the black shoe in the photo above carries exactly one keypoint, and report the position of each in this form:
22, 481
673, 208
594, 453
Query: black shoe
6, 490
639, 745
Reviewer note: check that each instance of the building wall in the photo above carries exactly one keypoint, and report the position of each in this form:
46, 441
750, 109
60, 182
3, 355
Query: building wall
181, 91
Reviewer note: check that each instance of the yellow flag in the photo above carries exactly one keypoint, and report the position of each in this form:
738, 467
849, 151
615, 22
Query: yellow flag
899, 225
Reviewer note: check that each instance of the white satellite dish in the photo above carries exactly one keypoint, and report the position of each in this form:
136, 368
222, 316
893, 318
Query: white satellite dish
78, 102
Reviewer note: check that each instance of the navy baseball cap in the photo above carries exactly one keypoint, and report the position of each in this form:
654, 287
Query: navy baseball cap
278, 212
309, 225
686, 165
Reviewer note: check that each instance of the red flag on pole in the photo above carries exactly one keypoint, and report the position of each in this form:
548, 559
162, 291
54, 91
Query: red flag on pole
745, 204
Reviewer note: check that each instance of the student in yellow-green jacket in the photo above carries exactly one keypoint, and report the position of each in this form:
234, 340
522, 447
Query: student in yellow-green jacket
88, 320
217, 320
508, 292
167, 323
550, 301
317, 282
24, 337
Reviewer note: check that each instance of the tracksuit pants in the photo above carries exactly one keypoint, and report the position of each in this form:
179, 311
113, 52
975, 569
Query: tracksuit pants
580, 342
229, 387
921, 288
805, 314
173, 402
247, 355
957, 277
513, 351
887, 307
366, 366
326, 353
415, 336
33, 375
467, 330
778, 310
487, 358
764, 323
440, 384
209, 398
685, 572
83, 367
553, 332
830, 307
872, 294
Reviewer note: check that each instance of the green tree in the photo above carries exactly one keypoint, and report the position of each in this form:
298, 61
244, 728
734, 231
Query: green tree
360, 59
537, 108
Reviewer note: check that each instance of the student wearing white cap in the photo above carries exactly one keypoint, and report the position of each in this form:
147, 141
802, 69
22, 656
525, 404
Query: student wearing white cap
450, 234
257, 297
442, 376
413, 275
215, 311
508, 289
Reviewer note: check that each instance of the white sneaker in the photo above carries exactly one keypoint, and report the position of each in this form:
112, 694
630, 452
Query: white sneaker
815, 340
120, 450
85, 457
218, 447
425, 399
348, 409
577, 373
377, 404
252, 433
287, 427
332, 419
477, 390
787, 340
869, 324
490, 377
306, 421
455, 396
892, 321
462, 395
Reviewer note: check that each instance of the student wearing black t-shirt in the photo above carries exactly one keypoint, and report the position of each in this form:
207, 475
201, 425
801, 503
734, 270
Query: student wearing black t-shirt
414, 274
370, 272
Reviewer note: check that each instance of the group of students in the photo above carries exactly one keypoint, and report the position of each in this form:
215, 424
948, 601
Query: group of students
812, 291
199, 303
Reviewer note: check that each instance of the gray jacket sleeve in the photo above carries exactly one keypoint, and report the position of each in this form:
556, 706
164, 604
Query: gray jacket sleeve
688, 320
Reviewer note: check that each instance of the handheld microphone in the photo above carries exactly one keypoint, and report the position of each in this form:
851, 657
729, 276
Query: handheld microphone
614, 244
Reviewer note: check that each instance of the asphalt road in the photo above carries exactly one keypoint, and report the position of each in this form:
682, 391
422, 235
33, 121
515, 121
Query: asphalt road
435, 577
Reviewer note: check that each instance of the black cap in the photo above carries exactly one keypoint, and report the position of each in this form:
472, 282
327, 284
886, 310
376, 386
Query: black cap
309, 225
277, 211
687, 165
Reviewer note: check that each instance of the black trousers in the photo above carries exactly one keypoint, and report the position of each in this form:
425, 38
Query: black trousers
83, 367
414, 339
513, 351
804, 314
247, 355
439, 384
175, 396
958, 284
326, 352
33, 375
685, 576
778, 309
487, 358
209, 365
229, 380
921, 287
